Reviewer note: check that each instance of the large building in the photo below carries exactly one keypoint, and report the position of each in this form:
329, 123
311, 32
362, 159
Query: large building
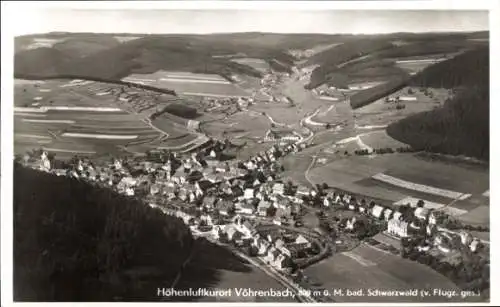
397, 228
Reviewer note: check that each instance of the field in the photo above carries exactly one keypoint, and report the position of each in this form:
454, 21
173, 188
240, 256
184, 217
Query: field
257, 64
412, 176
189, 84
414, 65
368, 268
68, 117
381, 112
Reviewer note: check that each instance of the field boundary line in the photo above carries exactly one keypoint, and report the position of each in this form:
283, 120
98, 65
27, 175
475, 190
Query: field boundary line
420, 187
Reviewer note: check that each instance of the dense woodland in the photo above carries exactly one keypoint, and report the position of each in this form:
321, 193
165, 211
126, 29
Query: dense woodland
368, 96
77, 242
461, 126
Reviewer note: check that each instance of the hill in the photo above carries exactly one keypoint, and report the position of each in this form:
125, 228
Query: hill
461, 126
40, 62
77, 242
330, 59
467, 69
379, 54
198, 54
85, 46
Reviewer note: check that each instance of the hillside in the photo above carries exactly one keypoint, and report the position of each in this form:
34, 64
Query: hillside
330, 59
197, 54
40, 62
359, 59
461, 126
467, 69
76, 242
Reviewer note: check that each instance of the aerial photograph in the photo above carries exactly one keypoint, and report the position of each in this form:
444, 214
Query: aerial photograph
322, 156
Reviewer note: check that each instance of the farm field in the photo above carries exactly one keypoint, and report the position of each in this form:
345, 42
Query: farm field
257, 64
379, 139
361, 175
368, 268
75, 117
415, 64
189, 84
381, 112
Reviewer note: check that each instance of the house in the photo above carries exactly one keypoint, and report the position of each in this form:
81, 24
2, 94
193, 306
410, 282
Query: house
226, 208
398, 228
431, 229
263, 247
279, 188
247, 229
263, 207
129, 191
377, 211
272, 237
387, 214
217, 230
272, 255
432, 218
233, 234
256, 182
282, 203
302, 190
225, 187
421, 213
474, 245
279, 243
280, 262
285, 250
466, 238
236, 191
246, 208
326, 202
397, 215
207, 219
350, 224
249, 193
301, 240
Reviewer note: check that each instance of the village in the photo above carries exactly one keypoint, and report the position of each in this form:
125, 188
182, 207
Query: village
247, 206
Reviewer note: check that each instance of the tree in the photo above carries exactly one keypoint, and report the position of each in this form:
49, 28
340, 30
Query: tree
325, 186
420, 203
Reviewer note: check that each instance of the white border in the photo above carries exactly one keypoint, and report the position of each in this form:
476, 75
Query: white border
8, 15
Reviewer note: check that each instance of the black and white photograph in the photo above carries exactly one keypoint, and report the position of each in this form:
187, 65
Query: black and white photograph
247, 155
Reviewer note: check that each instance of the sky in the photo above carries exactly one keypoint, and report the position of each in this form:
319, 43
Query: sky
44, 20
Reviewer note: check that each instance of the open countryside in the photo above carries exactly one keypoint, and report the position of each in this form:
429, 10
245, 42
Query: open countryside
296, 163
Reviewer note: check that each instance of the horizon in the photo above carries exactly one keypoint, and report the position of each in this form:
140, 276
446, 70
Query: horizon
252, 32
210, 21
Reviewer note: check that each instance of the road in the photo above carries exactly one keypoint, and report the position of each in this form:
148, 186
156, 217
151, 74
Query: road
271, 272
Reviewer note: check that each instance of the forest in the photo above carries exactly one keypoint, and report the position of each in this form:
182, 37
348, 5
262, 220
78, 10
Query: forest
77, 242
461, 126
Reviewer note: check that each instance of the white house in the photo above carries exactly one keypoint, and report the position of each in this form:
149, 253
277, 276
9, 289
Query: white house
280, 262
387, 214
246, 208
279, 188
263, 207
397, 228
466, 238
421, 213
474, 245
249, 193
377, 211
302, 240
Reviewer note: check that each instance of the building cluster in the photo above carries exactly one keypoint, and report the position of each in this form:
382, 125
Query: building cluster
206, 192
283, 136
212, 104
